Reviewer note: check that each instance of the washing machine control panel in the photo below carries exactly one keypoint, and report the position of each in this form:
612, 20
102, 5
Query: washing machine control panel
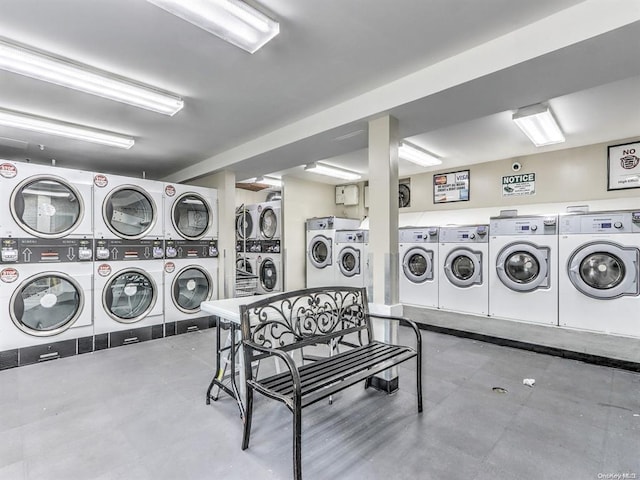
40, 250
470, 234
524, 226
191, 249
352, 236
605, 223
125, 250
271, 246
419, 235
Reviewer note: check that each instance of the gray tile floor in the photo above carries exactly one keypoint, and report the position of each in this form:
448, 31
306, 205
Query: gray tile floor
138, 412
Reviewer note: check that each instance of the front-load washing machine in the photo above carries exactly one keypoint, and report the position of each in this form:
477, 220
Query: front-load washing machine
45, 201
523, 276
190, 278
269, 267
46, 297
190, 212
321, 233
128, 291
418, 253
463, 269
351, 258
599, 257
270, 220
127, 208
247, 222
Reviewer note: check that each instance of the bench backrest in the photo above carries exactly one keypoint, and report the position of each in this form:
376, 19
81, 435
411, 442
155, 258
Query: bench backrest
303, 317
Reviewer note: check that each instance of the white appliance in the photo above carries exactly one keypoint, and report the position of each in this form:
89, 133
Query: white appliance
463, 269
129, 291
418, 254
270, 220
127, 208
44, 201
247, 222
190, 212
46, 298
351, 258
190, 278
599, 257
269, 267
321, 233
247, 267
523, 276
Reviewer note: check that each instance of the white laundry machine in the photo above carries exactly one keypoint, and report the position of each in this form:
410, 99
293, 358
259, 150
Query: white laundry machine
46, 299
321, 233
247, 222
269, 267
418, 253
128, 291
190, 278
40, 201
351, 258
523, 276
247, 255
269, 220
599, 258
127, 208
190, 212
463, 269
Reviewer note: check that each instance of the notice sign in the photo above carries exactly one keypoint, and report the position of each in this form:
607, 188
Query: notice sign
451, 187
520, 185
624, 166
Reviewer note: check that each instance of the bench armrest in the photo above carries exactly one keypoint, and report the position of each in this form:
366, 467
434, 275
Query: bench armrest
403, 321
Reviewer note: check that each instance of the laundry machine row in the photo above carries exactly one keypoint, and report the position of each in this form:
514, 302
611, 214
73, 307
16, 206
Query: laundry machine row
261, 262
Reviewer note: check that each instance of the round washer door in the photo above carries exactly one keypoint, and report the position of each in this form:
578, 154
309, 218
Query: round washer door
268, 223
244, 224
349, 261
191, 286
268, 274
605, 270
191, 216
129, 212
417, 264
523, 267
320, 251
46, 304
463, 267
244, 265
129, 295
46, 206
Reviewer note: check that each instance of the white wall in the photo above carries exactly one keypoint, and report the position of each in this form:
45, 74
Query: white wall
247, 197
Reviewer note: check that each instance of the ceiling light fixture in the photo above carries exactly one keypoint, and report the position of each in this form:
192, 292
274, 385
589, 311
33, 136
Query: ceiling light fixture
63, 129
232, 20
537, 123
419, 156
274, 182
330, 171
43, 66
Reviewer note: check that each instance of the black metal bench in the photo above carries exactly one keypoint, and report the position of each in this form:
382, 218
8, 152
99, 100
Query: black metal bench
335, 320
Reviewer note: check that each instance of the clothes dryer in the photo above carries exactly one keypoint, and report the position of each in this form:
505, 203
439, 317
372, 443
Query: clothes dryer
127, 208
190, 278
128, 289
247, 222
269, 267
418, 253
321, 233
46, 296
599, 257
40, 201
270, 220
351, 258
190, 212
523, 277
463, 269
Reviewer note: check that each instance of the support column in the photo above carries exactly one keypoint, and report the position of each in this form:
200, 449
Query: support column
383, 235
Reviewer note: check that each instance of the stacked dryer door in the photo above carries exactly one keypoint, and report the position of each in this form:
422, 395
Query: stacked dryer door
45, 263
269, 220
247, 222
320, 248
599, 257
351, 258
464, 269
418, 253
269, 267
523, 277
190, 212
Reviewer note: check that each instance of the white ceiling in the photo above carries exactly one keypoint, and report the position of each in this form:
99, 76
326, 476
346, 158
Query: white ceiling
451, 71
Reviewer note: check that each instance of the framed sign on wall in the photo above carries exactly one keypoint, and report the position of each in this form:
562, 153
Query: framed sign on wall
451, 187
623, 166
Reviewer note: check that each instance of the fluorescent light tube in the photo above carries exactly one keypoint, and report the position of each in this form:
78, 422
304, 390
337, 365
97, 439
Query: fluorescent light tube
417, 155
232, 20
63, 129
329, 171
537, 123
43, 66
272, 181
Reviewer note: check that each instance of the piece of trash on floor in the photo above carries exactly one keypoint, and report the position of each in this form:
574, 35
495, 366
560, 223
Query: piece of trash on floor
499, 390
636, 414
529, 382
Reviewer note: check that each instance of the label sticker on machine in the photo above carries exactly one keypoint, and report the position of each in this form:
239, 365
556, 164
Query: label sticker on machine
519, 185
9, 275
104, 270
100, 180
170, 190
8, 170
169, 267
